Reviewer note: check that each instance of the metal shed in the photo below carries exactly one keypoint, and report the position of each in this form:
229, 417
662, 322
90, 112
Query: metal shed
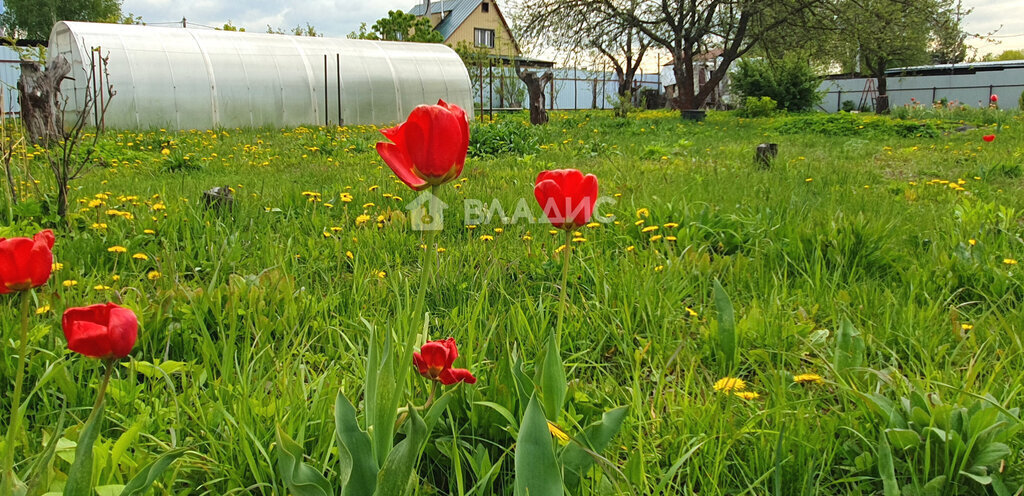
178, 78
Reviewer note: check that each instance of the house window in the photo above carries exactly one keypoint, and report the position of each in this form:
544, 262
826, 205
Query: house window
485, 7
483, 38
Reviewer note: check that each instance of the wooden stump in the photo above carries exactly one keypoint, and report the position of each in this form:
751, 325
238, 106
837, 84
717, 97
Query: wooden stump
219, 198
535, 88
765, 155
40, 99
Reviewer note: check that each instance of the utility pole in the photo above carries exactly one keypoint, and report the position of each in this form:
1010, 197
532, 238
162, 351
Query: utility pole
184, 23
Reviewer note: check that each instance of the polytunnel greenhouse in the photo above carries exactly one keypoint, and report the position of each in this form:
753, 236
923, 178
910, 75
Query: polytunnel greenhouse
178, 78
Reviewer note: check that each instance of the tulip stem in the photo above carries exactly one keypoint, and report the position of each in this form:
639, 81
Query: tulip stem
567, 252
15, 425
111, 364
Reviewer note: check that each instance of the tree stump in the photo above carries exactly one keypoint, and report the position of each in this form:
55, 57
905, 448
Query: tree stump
765, 155
219, 198
40, 99
535, 88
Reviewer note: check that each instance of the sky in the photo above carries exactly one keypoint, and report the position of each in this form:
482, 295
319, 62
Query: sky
340, 17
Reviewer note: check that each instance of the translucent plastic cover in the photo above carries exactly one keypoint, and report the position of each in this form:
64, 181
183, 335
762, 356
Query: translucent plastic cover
176, 78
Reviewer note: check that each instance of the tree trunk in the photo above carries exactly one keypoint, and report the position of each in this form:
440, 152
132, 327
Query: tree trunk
685, 95
535, 87
882, 102
40, 94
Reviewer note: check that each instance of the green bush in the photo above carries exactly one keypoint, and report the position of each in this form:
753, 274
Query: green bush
1020, 101
791, 82
843, 124
506, 137
758, 107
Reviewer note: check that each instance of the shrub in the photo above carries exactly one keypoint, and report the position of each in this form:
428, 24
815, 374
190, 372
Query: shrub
758, 107
791, 82
1020, 101
849, 106
855, 125
506, 137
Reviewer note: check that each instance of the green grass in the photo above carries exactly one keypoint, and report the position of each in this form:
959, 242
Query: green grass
265, 309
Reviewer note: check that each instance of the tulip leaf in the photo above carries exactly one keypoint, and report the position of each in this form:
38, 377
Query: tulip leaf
580, 455
886, 469
849, 347
80, 475
726, 326
139, 484
536, 471
552, 380
300, 478
358, 470
393, 479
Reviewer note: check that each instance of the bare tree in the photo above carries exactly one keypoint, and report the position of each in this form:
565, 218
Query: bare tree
575, 29
688, 28
62, 148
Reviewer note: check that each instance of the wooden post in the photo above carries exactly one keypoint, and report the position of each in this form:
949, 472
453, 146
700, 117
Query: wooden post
337, 77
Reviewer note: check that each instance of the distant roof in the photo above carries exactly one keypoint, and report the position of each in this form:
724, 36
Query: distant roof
435, 7
457, 13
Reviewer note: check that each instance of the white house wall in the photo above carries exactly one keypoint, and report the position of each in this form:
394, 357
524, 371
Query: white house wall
177, 78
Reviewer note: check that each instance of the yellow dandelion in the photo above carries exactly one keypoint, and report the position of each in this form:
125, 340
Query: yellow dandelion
558, 433
381, 274
486, 237
649, 229
1009, 261
140, 256
346, 198
972, 242
630, 248
349, 255
559, 249
117, 249
668, 238
43, 309
730, 384
369, 204
747, 395
57, 266
440, 249
691, 312
69, 283
153, 275
671, 225
656, 237
809, 179
594, 224
335, 229
362, 219
965, 326
470, 226
498, 230
643, 212
639, 222
100, 287
808, 379
527, 237
659, 268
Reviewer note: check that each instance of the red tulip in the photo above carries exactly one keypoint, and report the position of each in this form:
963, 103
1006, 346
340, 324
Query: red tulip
567, 197
105, 330
429, 148
993, 98
989, 138
25, 262
435, 359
